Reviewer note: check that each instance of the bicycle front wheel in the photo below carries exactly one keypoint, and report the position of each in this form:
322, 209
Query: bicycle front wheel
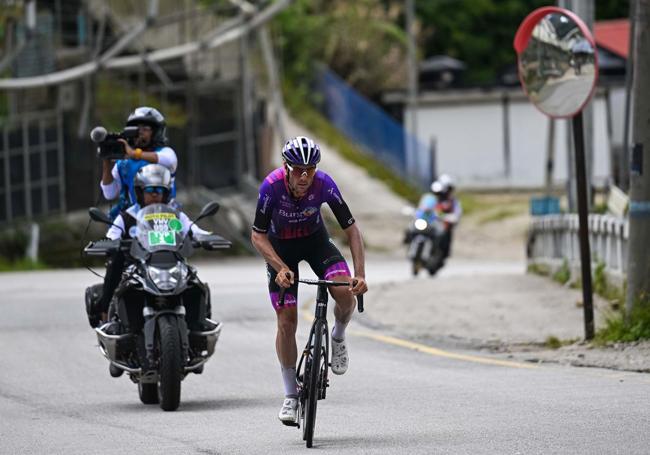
318, 362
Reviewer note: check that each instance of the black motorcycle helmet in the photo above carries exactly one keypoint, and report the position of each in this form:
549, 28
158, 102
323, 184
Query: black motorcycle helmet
152, 117
154, 176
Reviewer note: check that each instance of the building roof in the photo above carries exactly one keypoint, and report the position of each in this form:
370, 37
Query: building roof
613, 35
439, 63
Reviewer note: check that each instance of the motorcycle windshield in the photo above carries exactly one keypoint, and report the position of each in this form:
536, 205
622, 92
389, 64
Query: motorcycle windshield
159, 228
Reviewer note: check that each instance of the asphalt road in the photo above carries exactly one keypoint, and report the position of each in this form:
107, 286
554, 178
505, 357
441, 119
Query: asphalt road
397, 397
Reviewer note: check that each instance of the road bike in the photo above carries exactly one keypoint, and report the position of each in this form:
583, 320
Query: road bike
313, 368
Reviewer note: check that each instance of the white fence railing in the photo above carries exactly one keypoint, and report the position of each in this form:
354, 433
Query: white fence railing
556, 237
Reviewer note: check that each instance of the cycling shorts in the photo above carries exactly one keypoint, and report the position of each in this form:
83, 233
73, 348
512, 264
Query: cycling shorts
321, 254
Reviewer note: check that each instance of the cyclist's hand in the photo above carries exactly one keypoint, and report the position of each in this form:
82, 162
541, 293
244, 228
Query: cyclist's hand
358, 285
284, 278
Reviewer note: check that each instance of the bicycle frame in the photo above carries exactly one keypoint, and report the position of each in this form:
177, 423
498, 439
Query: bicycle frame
313, 350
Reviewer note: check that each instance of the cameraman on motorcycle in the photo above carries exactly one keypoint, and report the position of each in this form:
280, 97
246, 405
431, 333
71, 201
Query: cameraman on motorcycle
152, 185
150, 147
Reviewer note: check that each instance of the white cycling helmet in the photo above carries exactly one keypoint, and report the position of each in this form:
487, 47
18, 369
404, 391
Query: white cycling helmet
437, 187
447, 180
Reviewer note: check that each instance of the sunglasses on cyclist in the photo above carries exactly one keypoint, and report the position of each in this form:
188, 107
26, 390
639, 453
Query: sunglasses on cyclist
297, 171
154, 190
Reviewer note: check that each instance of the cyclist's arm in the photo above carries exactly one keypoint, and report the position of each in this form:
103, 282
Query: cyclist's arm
263, 245
261, 224
355, 240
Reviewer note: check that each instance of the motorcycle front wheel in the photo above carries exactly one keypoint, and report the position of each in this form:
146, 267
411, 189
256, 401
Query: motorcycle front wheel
170, 366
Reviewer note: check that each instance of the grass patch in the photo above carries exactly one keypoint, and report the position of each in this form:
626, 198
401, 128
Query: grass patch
20, 265
300, 108
603, 288
469, 202
553, 342
621, 328
539, 269
499, 215
563, 274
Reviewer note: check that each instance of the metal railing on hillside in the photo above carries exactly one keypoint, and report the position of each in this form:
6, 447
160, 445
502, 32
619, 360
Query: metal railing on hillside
375, 131
555, 237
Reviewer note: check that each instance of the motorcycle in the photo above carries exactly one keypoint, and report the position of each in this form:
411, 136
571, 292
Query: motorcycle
423, 239
159, 327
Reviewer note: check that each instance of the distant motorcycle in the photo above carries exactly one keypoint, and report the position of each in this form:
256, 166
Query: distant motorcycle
161, 308
423, 239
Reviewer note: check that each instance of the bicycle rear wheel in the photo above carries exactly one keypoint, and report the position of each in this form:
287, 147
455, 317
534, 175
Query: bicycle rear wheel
318, 362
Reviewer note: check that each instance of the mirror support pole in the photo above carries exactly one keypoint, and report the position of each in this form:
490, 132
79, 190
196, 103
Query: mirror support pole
583, 217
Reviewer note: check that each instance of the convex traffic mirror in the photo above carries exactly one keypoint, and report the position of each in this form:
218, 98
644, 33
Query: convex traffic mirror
557, 61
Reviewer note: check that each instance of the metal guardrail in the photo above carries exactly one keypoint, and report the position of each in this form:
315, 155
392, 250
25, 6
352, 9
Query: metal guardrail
556, 237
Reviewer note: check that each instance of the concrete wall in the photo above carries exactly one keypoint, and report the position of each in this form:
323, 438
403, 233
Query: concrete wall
469, 132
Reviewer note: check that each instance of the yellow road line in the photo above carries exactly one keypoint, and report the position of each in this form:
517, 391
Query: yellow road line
424, 348
439, 352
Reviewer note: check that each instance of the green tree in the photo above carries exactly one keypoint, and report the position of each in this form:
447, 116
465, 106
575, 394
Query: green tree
361, 41
480, 32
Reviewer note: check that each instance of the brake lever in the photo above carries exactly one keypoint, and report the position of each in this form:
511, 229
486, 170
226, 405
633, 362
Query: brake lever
359, 298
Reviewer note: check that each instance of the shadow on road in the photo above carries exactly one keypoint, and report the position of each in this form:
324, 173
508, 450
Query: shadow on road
223, 404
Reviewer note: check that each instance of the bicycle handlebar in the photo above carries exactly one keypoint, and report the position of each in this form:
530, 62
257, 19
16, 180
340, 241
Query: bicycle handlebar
324, 283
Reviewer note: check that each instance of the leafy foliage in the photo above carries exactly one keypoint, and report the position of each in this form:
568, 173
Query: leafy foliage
478, 32
299, 107
563, 274
621, 327
361, 41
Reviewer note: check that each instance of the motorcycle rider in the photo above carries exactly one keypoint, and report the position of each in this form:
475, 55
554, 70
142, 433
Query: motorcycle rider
288, 229
150, 147
449, 210
152, 185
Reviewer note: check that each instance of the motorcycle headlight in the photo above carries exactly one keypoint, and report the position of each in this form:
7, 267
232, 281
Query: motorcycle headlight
168, 279
421, 224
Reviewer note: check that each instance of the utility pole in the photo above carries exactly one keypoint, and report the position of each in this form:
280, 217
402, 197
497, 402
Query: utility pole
638, 269
411, 144
585, 10
550, 157
624, 170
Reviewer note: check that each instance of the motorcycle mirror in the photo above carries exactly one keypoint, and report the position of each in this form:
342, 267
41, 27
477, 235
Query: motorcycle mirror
209, 209
98, 215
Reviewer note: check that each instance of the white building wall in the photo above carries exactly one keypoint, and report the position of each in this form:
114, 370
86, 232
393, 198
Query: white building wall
470, 142
465, 134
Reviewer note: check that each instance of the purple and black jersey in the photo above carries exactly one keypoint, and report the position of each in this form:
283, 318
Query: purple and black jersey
282, 216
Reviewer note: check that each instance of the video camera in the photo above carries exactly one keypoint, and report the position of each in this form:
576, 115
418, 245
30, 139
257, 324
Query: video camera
109, 148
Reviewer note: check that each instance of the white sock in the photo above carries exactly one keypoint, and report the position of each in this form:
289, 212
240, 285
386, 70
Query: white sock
289, 380
338, 331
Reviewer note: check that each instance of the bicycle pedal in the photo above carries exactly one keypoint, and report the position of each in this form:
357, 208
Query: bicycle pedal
291, 424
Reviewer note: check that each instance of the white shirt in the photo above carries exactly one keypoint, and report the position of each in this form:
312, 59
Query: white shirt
115, 231
166, 157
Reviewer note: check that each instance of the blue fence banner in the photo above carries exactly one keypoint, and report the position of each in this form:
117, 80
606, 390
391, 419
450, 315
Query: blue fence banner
374, 130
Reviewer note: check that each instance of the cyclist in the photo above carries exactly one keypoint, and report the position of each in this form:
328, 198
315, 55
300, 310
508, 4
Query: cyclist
289, 228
